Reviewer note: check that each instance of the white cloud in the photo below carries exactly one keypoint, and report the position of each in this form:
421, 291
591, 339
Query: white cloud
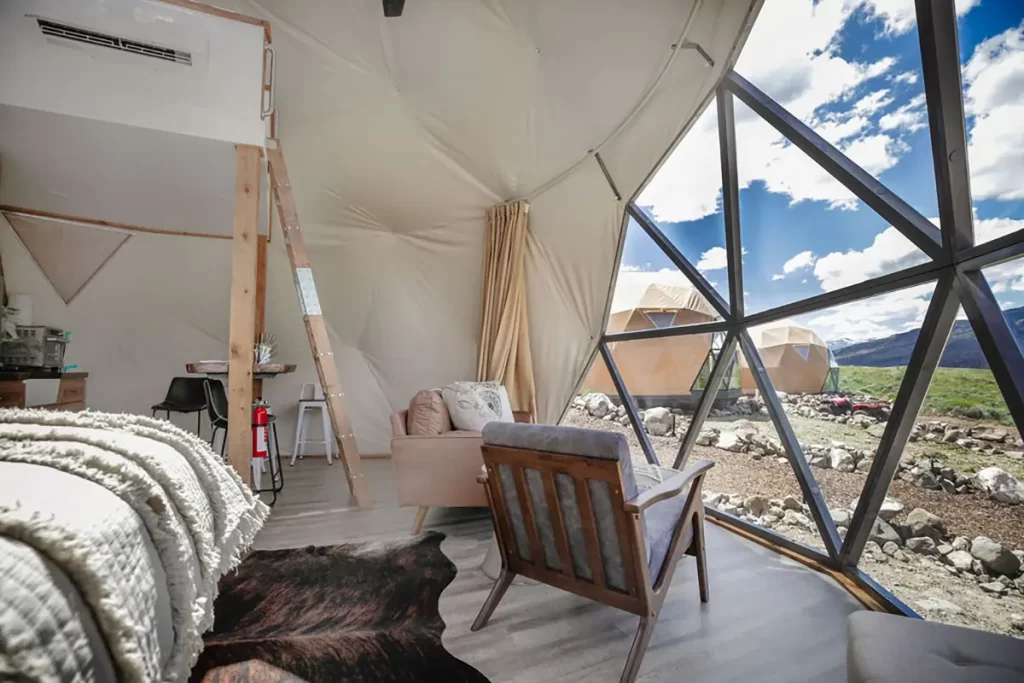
778, 276
908, 77
715, 258
911, 117
898, 311
793, 54
890, 251
899, 15
871, 318
805, 259
994, 83
873, 102
1005, 278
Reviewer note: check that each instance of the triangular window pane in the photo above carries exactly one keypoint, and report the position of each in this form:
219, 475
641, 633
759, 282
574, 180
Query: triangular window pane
684, 198
802, 245
69, 254
650, 291
963, 440
852, 73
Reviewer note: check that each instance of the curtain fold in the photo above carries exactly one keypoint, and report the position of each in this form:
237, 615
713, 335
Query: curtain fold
505, 329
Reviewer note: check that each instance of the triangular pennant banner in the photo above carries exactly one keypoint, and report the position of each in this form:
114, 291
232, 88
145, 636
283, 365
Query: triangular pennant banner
69, 254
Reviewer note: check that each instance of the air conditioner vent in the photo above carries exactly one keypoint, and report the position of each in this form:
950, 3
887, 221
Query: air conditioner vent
81, 35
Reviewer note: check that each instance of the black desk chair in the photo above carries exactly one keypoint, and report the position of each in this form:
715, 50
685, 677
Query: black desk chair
185, 395
217, 407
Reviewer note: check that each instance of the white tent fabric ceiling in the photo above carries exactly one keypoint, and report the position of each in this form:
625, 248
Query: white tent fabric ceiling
399, 134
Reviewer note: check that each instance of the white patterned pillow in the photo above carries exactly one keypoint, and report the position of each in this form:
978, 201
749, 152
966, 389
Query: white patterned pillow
474, 404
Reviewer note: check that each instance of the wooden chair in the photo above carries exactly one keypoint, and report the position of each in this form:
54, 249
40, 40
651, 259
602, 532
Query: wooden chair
567, 512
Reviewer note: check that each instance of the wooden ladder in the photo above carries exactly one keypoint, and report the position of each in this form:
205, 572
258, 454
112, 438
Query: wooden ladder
323, 356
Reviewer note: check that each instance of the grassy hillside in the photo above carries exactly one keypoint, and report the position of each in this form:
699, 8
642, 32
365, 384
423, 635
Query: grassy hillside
954, 391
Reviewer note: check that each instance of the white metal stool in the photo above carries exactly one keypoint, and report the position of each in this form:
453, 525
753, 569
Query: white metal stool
311, 397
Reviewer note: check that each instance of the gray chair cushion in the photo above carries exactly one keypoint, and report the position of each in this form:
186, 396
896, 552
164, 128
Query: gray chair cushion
659, 523
884, 647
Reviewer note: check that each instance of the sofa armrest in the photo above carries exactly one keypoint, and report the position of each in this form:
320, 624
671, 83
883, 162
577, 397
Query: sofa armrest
522, 416
398, 423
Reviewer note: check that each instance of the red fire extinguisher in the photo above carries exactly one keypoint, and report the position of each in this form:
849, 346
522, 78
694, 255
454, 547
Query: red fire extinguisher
259, 430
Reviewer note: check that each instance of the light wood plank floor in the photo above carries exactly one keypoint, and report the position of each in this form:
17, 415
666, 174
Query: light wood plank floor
769, 618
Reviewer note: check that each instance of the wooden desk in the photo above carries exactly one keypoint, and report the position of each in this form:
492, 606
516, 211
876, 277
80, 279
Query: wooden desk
15, 393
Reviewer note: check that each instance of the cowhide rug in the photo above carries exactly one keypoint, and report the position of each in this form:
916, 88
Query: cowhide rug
354, 612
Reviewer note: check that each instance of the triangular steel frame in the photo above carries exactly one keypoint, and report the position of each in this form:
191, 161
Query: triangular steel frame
954, 264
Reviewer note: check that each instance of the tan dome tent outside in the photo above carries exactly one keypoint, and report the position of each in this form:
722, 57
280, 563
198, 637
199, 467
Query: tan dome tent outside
796, 358
665, 367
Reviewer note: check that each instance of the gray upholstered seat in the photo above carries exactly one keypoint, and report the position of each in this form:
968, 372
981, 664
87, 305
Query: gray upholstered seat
884, 647
659, 520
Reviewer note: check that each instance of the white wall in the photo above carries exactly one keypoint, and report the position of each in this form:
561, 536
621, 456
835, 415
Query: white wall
218, 97
161, 302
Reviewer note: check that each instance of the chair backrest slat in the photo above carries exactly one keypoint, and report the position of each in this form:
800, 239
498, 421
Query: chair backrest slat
532, 537
555, 516
629, 560
497, 502
589, 526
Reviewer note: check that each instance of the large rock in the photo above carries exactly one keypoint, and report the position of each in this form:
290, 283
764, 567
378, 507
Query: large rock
798, 519
936, 604
923, 523
992, 434
841, 517
841, 460
1000, 485
599, 405
792, 503
922, 545
729, 441
659, 421
706, 438
890, 507
876, 430
961, 560
952, 435
882, 533
994, 557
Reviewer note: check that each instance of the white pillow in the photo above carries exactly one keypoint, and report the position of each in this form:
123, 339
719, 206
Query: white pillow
474, 404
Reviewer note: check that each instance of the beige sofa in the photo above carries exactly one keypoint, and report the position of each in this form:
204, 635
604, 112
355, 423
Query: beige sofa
438, 471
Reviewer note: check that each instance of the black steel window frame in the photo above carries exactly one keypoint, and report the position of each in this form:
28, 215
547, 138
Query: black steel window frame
954, 264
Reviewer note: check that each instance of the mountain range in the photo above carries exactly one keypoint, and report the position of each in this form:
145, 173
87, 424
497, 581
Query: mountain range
962, 350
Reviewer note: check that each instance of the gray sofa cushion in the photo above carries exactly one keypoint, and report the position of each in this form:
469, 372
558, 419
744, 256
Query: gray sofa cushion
884, 647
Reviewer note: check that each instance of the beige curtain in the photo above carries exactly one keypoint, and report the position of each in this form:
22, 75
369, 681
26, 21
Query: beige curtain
505, 330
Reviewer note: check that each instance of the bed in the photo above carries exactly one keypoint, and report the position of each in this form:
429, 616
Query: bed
114, 531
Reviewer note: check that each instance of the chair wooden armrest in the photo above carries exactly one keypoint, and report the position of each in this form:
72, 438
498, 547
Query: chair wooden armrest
669, 488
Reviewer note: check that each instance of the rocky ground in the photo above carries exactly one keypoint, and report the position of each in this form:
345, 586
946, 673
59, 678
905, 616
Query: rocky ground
939, 581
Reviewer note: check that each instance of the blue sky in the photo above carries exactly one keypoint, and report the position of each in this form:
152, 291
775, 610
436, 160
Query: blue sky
852, 70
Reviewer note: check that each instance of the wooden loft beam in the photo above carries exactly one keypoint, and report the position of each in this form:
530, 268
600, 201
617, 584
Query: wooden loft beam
316, 330
222, 13
243, 307
261, 300
93, 222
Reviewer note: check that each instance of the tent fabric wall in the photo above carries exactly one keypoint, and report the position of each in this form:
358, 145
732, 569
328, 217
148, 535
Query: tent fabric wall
399, 134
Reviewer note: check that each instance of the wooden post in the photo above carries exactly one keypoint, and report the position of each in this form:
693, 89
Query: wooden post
243, 307
323, 356
261, 300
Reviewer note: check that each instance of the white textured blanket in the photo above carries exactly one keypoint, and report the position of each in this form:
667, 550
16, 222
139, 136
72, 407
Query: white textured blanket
95, 493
